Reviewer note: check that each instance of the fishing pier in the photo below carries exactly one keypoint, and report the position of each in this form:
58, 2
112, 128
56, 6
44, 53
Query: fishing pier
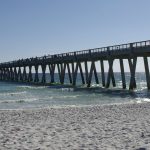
72, 63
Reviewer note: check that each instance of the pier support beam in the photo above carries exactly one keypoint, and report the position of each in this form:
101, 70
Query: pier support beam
0, 73
52, 71
90, 74
4, 74
132, 66
25, 78
122, 74
30, 79
20, 74
59, 72
11, 74
147, 72
62, 75
93, 68
102, 73
69, 73
7, 74
81, 72
43, 73
86, 72
36, 78
75, 72
16, 74
95, 74
110, 74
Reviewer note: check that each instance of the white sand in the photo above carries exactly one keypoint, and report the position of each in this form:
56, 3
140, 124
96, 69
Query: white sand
99, 127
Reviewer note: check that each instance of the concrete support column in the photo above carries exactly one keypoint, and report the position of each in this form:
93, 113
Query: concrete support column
110, 74
0, 73
86, 72
59, 72
52, 71
95, 74
81, 72
102, 73
147, 72
90, 74
25, 78
20, 74
8, 74
4, 74
63, 68
16, 74
30, 79
74, 73
36, 78
122, 74
132, 66
73, 77
93, 68
43, 73
11, 74
69, 73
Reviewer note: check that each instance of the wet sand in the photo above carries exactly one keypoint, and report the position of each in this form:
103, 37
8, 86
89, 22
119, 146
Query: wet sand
110, 127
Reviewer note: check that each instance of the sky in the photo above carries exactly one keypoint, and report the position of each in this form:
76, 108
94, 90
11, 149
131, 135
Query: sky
30, 28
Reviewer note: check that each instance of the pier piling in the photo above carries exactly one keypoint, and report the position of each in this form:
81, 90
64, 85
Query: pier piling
122, 74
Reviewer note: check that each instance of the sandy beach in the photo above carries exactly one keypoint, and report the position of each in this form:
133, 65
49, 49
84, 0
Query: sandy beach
111, 127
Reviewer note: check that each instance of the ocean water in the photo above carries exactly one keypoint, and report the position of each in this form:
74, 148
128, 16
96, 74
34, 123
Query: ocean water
22, 96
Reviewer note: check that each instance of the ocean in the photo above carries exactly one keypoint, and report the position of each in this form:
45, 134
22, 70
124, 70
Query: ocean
22, 96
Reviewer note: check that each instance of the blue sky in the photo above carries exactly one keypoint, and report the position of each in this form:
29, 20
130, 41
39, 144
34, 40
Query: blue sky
38, 27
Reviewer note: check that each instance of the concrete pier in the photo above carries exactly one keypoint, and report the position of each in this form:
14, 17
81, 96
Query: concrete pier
81, 62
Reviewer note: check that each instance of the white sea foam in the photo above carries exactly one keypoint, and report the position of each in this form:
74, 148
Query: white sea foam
141, 100
61, 97
71, 96
13, 93
20, 100
142, 82
31, 87
95, 85
67, 89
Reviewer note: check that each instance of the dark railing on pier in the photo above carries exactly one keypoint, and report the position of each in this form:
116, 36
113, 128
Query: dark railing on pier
71, 61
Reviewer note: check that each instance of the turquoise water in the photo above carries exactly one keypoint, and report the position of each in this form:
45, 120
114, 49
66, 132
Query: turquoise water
20, 96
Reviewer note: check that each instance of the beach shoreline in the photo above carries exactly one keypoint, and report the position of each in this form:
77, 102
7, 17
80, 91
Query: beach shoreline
123, 126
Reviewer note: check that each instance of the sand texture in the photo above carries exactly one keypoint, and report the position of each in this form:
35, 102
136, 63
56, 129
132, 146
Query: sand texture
112, 127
